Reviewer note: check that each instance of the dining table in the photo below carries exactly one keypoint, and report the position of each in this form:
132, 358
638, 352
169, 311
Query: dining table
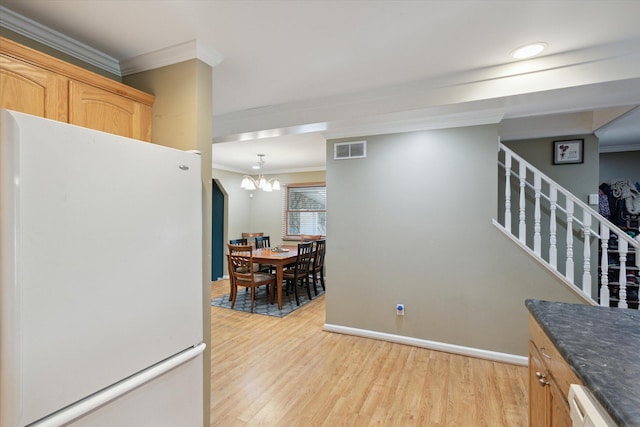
279, 258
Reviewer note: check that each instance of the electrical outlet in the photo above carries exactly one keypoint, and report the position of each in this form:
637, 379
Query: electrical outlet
400, 309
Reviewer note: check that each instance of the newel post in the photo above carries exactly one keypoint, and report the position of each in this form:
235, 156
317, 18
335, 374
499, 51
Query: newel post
553, 248
537, 240
586, 274
522, 230
507, 191
623, 247
604, 265
569, 263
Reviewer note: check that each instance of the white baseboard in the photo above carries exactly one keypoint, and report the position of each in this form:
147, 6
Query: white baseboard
431, 345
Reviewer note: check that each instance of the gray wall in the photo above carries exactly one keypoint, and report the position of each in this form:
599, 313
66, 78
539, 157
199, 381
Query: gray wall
412, 223
620, 165
581, 179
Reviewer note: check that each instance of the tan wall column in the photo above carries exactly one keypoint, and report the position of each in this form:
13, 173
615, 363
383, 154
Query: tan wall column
182, 118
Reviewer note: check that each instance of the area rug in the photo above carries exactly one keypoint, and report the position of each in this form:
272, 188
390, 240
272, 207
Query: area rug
261, 303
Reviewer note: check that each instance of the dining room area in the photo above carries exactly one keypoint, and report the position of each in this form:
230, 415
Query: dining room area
283, 224
273, 280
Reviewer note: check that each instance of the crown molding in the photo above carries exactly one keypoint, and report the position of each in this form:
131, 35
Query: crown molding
171, 55
619, 148
58, 41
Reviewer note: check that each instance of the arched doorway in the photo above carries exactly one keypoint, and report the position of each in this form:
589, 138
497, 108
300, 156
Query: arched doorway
217, 232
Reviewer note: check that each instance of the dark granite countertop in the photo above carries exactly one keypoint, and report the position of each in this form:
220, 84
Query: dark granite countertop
602, 345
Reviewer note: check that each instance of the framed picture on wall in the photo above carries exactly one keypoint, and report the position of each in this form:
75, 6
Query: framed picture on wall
568, 151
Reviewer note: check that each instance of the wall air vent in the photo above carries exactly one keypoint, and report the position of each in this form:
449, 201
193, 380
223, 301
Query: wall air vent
350, 150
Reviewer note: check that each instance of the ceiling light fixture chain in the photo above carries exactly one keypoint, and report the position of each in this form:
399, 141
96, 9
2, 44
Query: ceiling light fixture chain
250, 183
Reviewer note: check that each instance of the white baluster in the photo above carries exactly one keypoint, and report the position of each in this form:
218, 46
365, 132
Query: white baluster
553, 249
569, 262
522, 231
537, 240
604, 266
507, 191
586, 274
623, 247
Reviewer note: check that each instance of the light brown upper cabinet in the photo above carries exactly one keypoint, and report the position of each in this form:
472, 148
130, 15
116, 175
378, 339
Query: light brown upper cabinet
32, 90
38, 84
95, 108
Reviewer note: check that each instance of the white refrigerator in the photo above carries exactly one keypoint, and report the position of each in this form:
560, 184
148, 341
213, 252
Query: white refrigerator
100, 279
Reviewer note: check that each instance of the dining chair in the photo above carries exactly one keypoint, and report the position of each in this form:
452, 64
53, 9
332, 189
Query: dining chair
264, 242
251, 237
308, 237
299, 271
234, 248
317, 264
241, 267
238, 241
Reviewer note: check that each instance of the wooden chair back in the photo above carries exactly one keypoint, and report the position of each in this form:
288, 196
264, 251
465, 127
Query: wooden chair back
235, 249
263, 242
317, 268
251, 237
303, 260
318, 255
241, 268
308, 237
238, 241
300, 270
241, 262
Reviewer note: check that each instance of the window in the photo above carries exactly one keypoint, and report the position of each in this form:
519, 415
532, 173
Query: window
305, 210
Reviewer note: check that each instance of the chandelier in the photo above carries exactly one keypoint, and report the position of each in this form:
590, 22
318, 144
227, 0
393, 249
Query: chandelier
250, 183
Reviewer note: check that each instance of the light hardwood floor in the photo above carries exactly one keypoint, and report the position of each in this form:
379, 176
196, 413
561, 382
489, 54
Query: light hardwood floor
288, 372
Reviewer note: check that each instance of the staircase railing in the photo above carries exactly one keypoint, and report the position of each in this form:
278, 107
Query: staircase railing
584, 249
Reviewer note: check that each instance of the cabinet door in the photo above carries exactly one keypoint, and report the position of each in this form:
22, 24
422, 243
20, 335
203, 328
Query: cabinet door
98, 109
32, 90
538, 392
559, 408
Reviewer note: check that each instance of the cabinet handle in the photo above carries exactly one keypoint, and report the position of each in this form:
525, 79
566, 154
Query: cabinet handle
542, 349
542, 378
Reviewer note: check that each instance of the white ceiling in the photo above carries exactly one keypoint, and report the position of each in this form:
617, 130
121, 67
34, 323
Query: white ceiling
288, 153
310, 69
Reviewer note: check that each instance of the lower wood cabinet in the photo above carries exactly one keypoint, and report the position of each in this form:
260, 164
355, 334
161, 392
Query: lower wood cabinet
538, 391
549, 379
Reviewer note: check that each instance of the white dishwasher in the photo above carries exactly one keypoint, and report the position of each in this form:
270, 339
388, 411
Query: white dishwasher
585, 410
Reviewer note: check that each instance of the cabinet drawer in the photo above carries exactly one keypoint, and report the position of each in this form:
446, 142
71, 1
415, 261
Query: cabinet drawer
558, 368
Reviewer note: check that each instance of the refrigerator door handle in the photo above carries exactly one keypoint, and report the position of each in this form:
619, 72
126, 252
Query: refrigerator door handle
110, 393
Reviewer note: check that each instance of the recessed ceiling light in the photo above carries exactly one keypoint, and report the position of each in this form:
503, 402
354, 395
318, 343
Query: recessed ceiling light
528, 51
